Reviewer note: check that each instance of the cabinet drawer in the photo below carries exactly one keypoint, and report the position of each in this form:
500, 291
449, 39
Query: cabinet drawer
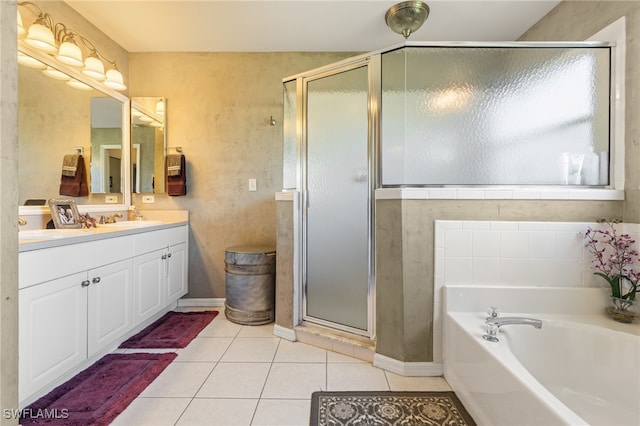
151, 241
37, 266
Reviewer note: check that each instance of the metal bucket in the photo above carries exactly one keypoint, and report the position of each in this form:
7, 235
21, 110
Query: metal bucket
250, 284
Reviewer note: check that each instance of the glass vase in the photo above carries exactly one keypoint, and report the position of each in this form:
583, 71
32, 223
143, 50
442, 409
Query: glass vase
623, 310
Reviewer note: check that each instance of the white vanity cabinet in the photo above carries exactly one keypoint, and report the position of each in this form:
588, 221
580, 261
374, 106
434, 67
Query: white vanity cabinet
160, 267
68, 316
79, 301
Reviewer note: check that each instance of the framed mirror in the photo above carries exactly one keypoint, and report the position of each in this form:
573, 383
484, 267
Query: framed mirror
56, 119
148, 144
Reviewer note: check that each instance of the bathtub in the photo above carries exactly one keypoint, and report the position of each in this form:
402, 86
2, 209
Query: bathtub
580, 368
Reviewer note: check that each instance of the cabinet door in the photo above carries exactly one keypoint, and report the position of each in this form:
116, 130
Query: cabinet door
149, 278
110, 313
177, 272
53, 331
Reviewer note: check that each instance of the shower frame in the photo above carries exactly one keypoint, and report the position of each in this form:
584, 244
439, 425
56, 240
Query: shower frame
374, 63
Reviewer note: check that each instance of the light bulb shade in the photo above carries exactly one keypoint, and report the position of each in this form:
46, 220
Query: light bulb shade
30, 62
405, 18
69, 53
21, 30
55, 74
41, 37
114, 80
78, 85
94, 68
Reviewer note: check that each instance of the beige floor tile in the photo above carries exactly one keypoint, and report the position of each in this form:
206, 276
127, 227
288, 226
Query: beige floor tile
299, 352
282, 412
218, 412
220, 327
403, 383
204, 349
294, 380
152, 412
251, 349
265, 330
352, 377
235, 380
179, 379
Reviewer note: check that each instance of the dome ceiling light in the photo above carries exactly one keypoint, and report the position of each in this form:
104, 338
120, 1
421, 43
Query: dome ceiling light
406, 17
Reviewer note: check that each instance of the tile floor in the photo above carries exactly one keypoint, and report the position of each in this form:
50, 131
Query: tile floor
243, 375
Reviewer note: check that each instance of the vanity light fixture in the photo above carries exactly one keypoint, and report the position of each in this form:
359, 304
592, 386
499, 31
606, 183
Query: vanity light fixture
30, 62
406, 17
21, 30
78, 85
160, 107
61, 42
55, 74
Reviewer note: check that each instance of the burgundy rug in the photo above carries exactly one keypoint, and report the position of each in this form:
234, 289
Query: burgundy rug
174, 330
98, 394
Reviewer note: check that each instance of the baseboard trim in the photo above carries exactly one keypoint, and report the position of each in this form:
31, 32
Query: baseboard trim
284, 333
428, 369
189, 303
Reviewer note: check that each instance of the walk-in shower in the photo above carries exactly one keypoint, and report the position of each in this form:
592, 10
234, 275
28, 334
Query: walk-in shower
516, 115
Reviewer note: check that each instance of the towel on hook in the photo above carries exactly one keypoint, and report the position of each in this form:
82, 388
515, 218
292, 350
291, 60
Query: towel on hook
174, 164
70, 164
177, 184
75, 185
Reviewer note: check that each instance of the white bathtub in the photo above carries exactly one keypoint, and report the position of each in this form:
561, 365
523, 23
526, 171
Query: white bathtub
578, 369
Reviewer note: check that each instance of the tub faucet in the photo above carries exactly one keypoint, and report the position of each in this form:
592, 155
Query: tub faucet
492, 325
500, 321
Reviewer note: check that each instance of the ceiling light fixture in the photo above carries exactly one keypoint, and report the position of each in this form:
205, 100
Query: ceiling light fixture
59, 41
405, 18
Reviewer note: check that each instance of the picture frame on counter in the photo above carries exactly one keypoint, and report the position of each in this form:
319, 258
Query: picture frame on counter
64, 213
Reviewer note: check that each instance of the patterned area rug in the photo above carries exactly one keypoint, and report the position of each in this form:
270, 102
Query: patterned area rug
173, 331
388, 408
98, 394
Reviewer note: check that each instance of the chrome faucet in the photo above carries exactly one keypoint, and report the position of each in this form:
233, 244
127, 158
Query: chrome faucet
110, 219
500, 321
493, 324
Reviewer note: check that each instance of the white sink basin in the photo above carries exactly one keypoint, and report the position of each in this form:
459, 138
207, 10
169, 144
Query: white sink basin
51, 234
131, 224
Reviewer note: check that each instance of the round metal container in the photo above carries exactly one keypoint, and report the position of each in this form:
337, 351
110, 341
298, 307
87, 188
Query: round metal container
250, 284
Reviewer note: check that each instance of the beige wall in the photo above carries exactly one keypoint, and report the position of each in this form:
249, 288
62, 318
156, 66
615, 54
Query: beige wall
218, 110
9, 209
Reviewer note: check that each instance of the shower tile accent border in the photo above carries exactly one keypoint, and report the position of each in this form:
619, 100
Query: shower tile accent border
509, 253
497, 193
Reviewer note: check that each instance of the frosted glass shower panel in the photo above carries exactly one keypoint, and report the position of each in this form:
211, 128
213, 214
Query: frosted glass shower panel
337, 268
495, 116
290, 146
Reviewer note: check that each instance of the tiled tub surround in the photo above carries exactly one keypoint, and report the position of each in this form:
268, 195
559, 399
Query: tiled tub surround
579, 368
515, 254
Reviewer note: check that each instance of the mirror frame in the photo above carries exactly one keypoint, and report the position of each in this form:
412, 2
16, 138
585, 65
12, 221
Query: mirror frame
136, 103
126, 134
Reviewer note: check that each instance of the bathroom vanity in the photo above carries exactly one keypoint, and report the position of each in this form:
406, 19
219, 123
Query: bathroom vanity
83, 292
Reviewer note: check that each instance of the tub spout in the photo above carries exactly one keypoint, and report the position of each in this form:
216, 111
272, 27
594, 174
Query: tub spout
499, 322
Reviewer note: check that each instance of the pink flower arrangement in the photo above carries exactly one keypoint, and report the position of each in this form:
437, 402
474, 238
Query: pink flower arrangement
614, 259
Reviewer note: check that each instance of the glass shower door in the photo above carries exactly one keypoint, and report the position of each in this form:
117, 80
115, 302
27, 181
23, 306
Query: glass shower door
337, 201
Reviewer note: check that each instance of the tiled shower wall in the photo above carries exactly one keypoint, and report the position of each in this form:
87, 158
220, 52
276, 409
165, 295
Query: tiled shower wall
511, 254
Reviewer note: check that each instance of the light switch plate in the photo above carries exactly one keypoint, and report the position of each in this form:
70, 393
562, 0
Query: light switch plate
148, 199
111, 199
253, 185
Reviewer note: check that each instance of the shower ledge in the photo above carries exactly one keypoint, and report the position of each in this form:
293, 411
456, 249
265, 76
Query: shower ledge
348, 344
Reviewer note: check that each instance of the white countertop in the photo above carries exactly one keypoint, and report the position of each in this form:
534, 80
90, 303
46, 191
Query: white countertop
36, 239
